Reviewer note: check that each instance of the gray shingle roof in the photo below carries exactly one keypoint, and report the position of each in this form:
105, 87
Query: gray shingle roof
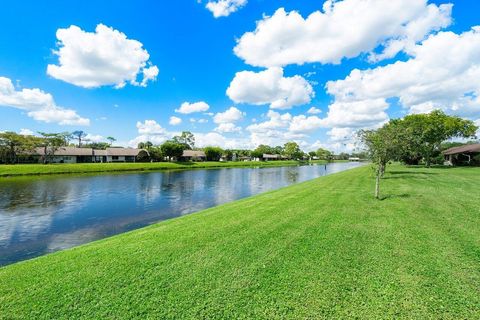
193, 153
463, 149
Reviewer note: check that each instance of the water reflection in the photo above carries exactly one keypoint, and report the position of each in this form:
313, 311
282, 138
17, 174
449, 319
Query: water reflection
49, 214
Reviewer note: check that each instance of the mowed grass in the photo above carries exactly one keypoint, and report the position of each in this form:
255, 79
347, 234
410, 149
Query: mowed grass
72, 168
320, 249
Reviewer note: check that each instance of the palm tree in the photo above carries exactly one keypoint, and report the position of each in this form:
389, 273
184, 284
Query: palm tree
111, 139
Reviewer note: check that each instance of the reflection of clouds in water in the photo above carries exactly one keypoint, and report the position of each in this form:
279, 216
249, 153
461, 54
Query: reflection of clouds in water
150, 189
53, 214
71, 239
28, 209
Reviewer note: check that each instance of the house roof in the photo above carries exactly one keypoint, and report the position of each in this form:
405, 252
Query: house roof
123, 151
271, 156
100, 152
193, 153
74, 151
67, 151
469, 148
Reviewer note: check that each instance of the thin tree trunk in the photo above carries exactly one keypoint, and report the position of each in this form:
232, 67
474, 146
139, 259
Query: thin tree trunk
377, 182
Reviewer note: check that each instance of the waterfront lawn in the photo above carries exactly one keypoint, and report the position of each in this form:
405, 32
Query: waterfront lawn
64, 168
320, 249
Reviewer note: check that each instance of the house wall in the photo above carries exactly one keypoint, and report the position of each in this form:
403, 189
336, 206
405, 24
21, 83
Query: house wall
120, 159
64, 159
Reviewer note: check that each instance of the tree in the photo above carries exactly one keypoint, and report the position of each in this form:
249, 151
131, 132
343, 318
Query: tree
13, 144
145, 145
261, 150
292, 150
79, 135
213, 153
382, 146
172, 149
51, 142
324, 154
186, 138
312, 154
423, 134
111, 139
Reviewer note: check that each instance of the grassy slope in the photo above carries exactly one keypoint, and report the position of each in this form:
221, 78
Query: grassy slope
323, 248
41, 169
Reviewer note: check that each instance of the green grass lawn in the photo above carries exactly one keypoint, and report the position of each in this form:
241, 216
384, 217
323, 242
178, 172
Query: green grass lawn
41, 169
320, 249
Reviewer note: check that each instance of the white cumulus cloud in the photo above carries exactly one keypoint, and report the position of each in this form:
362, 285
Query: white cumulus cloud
38, 104
101, 58
344, 29
270, 87
187, 107
314, 110
230, 115
174, 121
223, 8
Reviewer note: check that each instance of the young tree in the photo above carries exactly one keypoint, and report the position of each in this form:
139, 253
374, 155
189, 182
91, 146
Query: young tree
186, 138
292, 150
382, 146
213, 153
79, 135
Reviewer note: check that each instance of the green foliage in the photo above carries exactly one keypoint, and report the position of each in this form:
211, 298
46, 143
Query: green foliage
79, 135
319, 249
13, 145
172, 149
213, 153
324, 154
292, 150
261, 150
186, 138
423, 134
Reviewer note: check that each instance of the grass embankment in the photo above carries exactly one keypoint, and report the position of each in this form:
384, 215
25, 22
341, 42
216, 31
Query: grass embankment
320, 249
41, 169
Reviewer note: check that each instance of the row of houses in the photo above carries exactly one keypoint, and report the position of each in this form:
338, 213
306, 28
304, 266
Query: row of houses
87, 155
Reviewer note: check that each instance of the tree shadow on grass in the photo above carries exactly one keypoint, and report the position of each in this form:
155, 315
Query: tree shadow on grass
395, 196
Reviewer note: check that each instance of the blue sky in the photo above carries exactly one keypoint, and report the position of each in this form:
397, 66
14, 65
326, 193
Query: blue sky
194, 54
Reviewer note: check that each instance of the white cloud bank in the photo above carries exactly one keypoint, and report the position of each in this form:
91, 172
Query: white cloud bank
187, 107
223, 8
345, 29
270, 87
101, 58
38, 104
443, 73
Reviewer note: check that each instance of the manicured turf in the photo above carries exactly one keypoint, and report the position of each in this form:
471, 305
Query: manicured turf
41, 169
320, 249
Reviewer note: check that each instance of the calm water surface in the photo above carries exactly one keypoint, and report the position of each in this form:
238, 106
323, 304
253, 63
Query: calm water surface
48, 214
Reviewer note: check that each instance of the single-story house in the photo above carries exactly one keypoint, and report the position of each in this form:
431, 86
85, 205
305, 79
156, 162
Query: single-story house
353, 159
269, 157
461, 155
193, 155
87, 155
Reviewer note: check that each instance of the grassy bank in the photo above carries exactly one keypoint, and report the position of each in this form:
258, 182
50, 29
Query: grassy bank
320, 249
41, 169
